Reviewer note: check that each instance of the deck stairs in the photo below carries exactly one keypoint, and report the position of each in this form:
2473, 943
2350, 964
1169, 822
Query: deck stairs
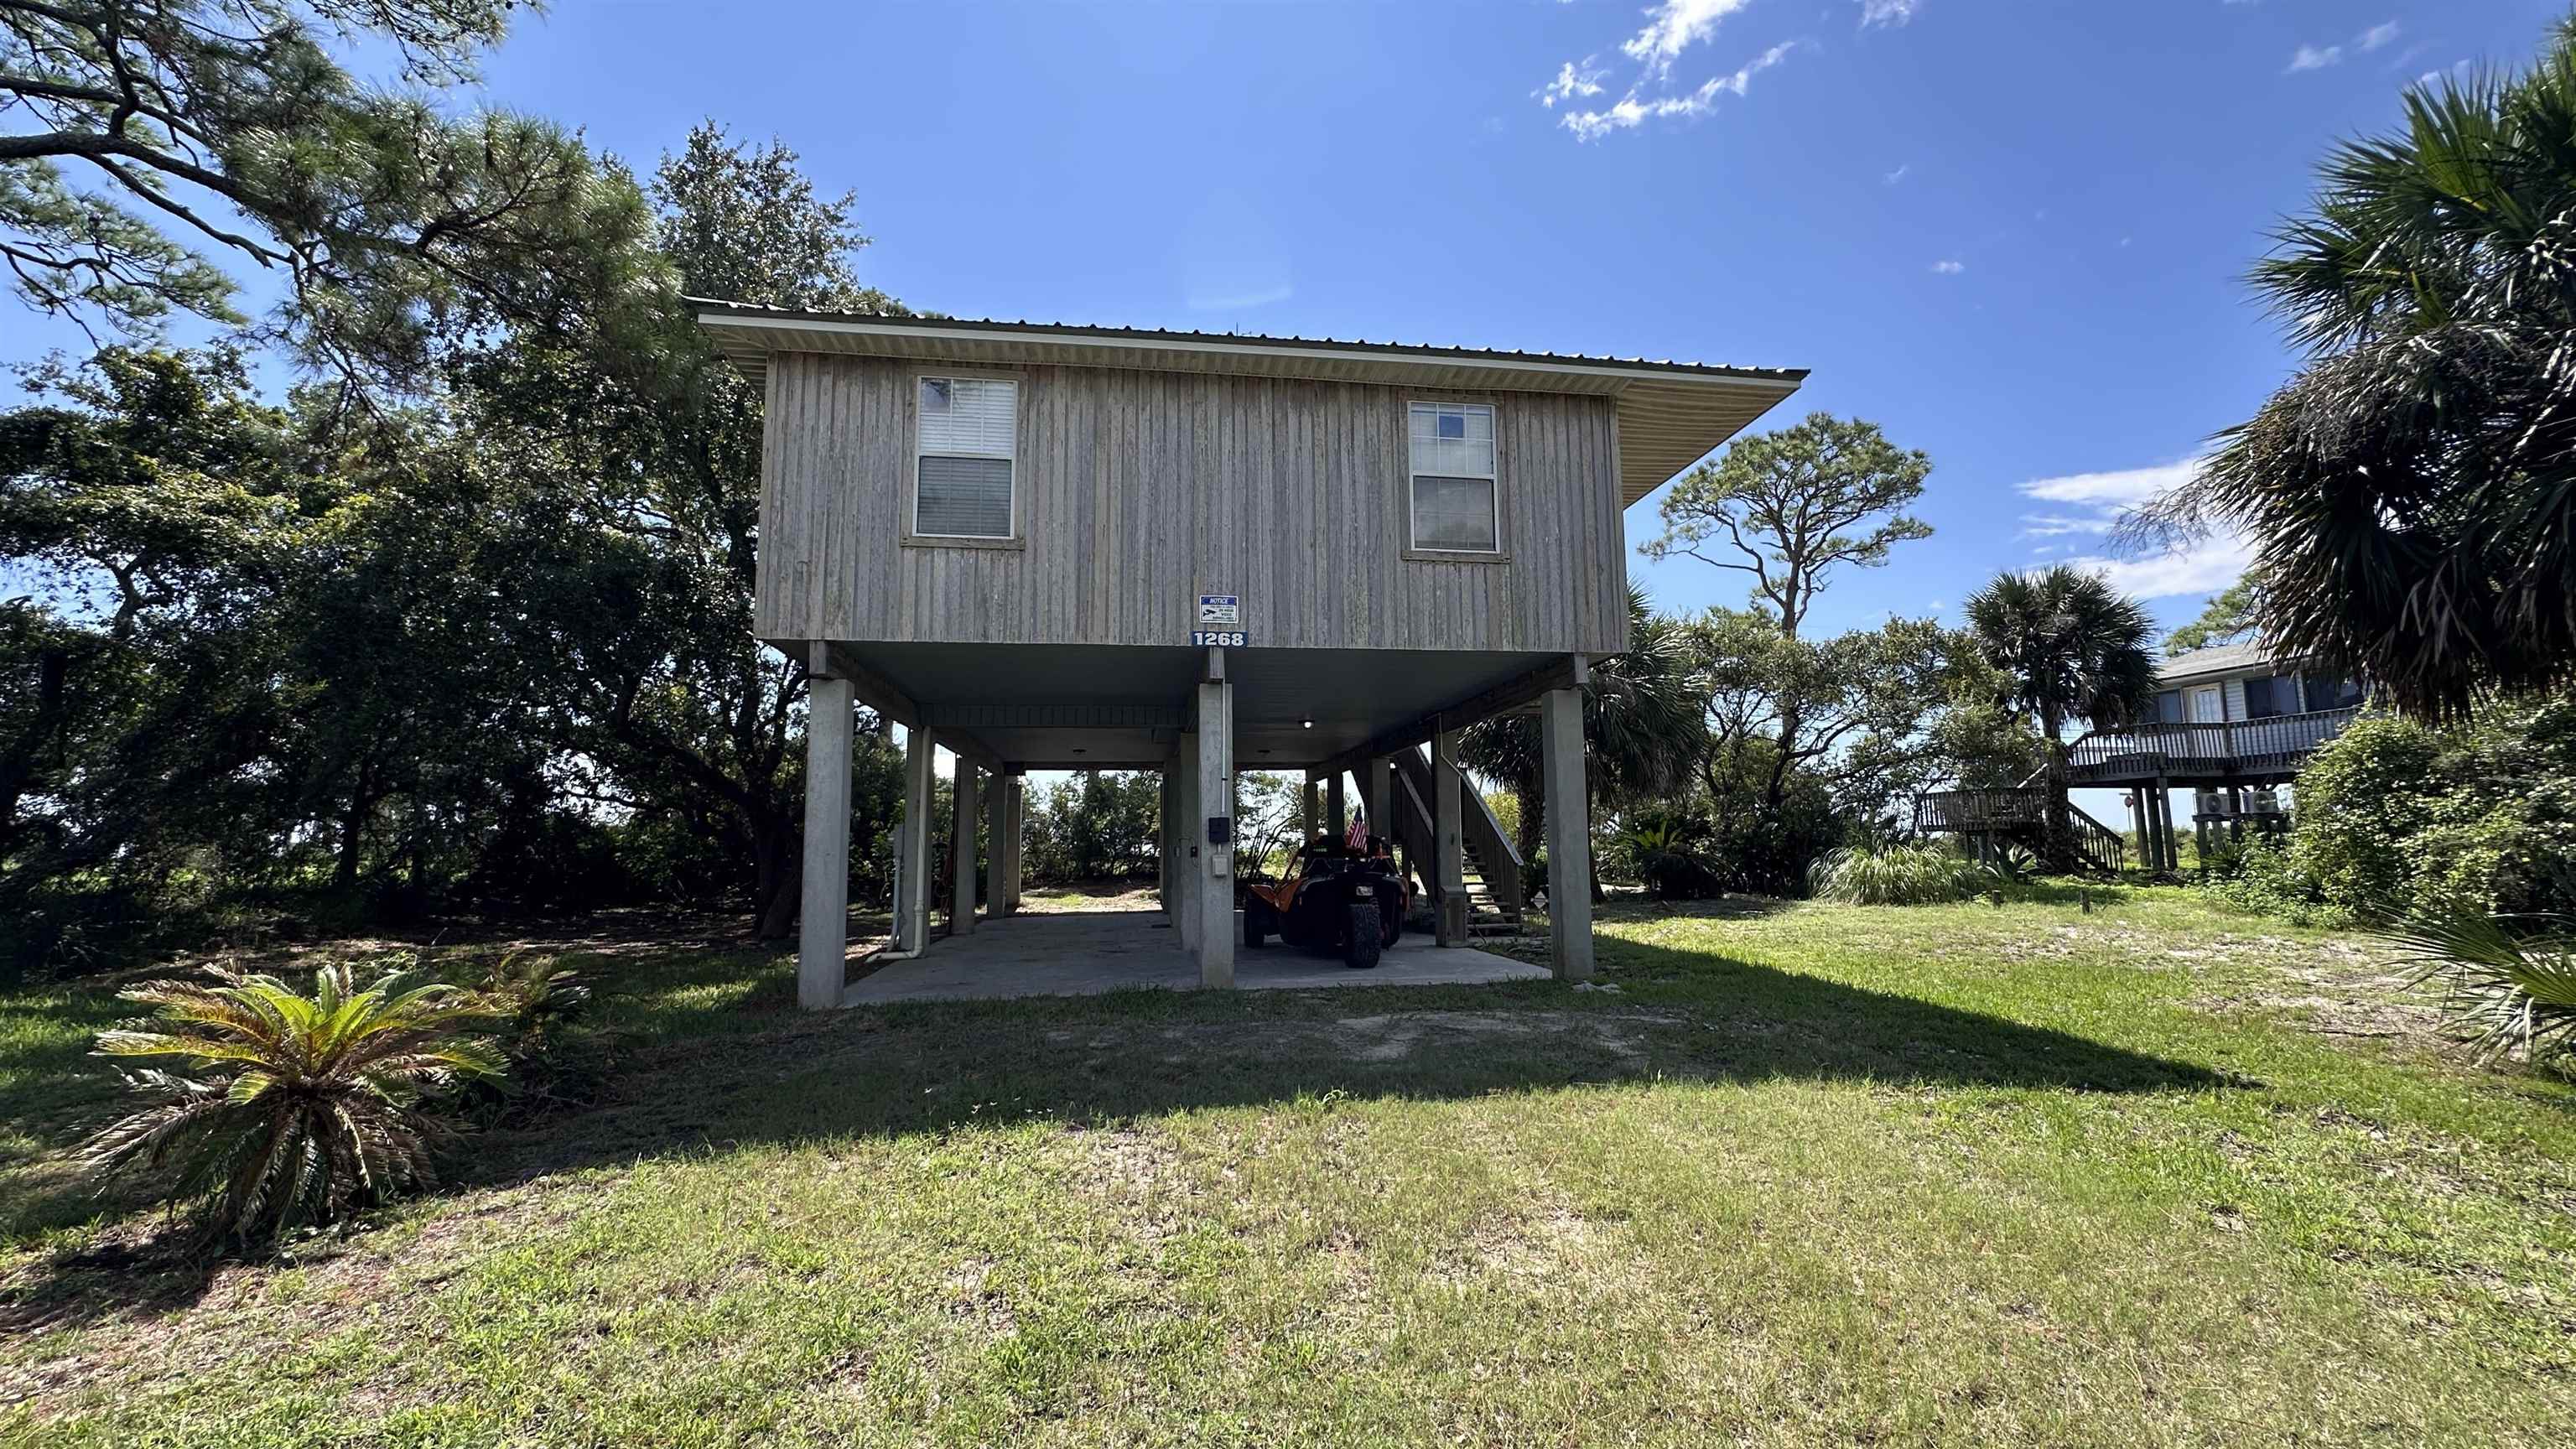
2020, 816
1490, 866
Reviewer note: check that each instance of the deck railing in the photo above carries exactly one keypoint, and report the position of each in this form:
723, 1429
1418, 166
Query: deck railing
1981, 809
2283, 739
2021, 814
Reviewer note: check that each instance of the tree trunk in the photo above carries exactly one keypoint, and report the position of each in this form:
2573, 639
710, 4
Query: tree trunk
778, 877
1533, 816
2059, 834
353, 822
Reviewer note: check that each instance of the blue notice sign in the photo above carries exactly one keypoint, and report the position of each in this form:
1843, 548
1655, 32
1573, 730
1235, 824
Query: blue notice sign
1220, 609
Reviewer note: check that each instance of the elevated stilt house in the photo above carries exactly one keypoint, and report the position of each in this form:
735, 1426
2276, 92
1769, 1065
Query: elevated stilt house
1057, 547
2233, 725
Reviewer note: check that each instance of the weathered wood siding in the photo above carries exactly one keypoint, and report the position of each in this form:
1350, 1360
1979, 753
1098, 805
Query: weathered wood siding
1138, 491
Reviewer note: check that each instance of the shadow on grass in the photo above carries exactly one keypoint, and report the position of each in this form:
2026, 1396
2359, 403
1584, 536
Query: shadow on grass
934, 1066
715, 1057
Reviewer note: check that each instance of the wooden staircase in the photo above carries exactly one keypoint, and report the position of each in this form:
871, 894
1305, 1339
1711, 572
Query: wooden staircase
1488, 912
2021, 816
1489, 866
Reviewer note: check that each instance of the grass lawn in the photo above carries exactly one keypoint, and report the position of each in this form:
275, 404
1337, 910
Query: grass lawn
2153, 1174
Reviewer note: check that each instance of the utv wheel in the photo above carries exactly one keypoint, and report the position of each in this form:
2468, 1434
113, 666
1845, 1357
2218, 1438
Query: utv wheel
1361, 952
1393, 914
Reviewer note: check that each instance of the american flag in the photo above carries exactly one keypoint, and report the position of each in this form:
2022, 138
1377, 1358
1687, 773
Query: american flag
1357, 837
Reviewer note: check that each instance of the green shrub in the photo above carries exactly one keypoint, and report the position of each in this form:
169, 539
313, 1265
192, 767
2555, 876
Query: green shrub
2358, 800
1916, 874
535, 1003
1665, 854
2400, 821
2260, 874
299, 1109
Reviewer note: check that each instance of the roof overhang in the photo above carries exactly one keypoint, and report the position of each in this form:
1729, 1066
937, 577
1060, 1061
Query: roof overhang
1671, 414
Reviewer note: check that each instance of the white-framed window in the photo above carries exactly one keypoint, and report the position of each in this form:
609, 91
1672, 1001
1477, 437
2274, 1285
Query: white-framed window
965, 435
1453, 499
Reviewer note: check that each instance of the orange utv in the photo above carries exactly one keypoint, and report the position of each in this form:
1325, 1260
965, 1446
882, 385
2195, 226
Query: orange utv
1334, 899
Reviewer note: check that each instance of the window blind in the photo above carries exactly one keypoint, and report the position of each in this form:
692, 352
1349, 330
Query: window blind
1452, 469
965, 497
969, 427
971, 415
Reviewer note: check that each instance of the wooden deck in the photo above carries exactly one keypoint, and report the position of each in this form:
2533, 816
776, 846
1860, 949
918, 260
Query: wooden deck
2237, 752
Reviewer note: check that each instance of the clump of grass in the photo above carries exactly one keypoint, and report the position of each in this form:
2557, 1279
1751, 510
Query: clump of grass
1917, 873
295, 1109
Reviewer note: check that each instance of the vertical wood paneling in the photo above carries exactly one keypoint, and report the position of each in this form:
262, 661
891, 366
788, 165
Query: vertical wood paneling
1139, 490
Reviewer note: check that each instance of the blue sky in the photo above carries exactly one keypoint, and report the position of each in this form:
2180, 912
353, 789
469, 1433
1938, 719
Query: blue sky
2011, 233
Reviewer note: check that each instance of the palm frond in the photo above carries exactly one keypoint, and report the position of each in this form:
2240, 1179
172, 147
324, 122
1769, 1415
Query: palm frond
2505, 992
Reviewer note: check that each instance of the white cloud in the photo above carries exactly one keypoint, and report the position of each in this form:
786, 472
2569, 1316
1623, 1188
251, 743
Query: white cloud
1673, 27
1631, 112
1571, 83
2051, 525
2096, 501
1949, 268
1898, 174
2199, 568
2318, 57
1887, 12
2123, 489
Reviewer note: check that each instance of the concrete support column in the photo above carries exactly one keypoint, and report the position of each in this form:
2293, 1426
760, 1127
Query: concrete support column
1448, 848
1337, 809
1381, 798
1569, 833
1167, 881
997, 834
823, 927
1185, 841
1309, 813
920, 755
961, 896
1215, 873
1015, 789
2138, 820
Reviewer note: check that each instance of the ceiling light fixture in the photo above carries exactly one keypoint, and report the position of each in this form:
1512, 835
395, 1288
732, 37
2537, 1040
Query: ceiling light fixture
1305, 724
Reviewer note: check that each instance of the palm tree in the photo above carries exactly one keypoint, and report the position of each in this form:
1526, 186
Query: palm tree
2411, 494
2070, 647
1642, 728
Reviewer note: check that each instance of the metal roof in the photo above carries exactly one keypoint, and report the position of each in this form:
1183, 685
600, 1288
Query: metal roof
1670, 414
2220, 659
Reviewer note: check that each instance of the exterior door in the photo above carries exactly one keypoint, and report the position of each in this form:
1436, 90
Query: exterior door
2206, 704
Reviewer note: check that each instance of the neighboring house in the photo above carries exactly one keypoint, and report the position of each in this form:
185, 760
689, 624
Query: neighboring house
2232, 725
1069, 547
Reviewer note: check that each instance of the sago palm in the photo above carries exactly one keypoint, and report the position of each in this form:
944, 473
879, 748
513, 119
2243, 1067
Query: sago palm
2411, 494
295, 1109
2070, 647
